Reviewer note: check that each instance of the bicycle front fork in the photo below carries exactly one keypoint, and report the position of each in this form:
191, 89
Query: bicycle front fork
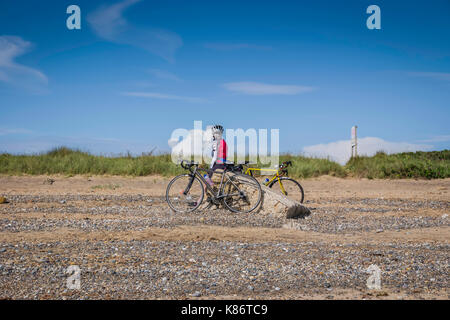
188, 187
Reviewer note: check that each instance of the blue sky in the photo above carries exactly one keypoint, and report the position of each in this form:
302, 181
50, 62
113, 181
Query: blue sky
137, 70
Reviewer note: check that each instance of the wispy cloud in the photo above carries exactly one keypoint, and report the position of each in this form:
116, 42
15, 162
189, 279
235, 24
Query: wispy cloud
8, 131
108, 23
432, 75
36, 143
156, 95
221, 46
340, 151
162, 74
14, 73
257, 88
440, 138
143, 84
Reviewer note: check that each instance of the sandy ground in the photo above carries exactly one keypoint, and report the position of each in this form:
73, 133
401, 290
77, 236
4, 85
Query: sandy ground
317, 188
127, 242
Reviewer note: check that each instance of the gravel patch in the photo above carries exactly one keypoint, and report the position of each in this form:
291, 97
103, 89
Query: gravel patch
147, 269
143, 269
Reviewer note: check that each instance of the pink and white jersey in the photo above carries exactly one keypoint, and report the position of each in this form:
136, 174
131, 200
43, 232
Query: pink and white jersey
219, 152
222, 152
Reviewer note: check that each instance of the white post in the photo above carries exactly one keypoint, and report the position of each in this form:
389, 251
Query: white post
354, 142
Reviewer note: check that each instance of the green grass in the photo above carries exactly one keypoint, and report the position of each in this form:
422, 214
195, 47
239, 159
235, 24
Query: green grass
304, 167
70, 162
429, 165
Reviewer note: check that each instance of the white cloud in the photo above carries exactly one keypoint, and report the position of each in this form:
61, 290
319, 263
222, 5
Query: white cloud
340, 151
164, 75
257, 88
220, 46
156, 95
432, 75
108, 23
14, 73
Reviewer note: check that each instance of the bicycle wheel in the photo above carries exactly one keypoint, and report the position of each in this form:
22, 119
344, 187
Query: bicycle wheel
242, 193
288, 187
184, 193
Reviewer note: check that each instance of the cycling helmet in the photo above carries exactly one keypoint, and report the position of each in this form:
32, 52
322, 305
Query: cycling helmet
217, 128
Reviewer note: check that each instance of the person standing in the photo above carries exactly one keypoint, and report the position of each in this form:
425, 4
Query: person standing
219, 150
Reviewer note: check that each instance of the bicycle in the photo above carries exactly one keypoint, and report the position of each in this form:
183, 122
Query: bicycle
288, 186
239, 193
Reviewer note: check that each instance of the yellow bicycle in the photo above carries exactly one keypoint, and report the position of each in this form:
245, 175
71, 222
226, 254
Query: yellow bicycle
287, 186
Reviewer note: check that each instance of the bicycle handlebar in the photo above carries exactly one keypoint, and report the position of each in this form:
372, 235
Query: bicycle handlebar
286, 164
188, 164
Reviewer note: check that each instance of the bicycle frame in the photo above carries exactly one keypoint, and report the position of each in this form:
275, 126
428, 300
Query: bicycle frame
220, 189
278, 173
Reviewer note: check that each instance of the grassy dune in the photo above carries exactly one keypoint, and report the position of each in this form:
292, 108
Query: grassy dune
430, 165
62, 160
66, 161
304, 167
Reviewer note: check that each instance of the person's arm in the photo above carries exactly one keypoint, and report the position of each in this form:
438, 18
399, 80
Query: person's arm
214, 154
